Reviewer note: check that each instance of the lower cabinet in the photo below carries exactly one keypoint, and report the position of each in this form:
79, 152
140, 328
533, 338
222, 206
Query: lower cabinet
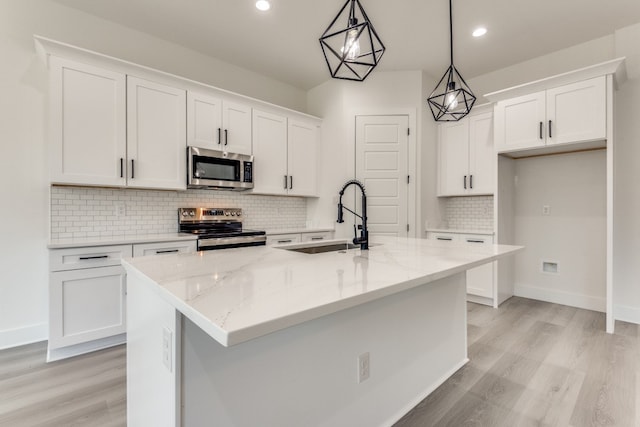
287, 238
481, 281
87, 295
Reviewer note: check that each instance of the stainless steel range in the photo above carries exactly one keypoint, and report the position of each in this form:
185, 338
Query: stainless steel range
218, 228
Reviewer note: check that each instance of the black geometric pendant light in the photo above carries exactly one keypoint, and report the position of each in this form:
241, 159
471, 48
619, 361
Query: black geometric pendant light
351, 51
452, 98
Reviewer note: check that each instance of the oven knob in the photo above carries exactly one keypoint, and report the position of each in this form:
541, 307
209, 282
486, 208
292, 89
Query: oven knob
239, 213
184, 213
192, 213
227, 213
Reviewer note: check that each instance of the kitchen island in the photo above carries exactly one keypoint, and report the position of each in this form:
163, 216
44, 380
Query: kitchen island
265, 336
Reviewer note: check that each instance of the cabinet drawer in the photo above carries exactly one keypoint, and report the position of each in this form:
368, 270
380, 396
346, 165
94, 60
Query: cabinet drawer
316, 237
444, 237
79, 258
283, 239
162, 248
477, 238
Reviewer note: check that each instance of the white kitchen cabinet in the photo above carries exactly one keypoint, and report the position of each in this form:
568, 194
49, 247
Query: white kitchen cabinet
156, 135
87, 292
164, 248
466, 158
566, 114
303, 237
285, 155
481, 281
87, 124
87, 295
218, 124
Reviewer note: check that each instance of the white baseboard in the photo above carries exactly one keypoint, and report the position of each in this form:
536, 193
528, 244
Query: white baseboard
85, 347
626, 314
559, 297
25, 335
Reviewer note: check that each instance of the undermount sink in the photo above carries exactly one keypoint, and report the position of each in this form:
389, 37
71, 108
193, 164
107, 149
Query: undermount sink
318, 249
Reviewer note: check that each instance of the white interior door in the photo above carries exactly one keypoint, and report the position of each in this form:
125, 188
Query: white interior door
382, 166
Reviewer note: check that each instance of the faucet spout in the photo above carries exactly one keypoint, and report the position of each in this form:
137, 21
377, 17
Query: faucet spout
363, 240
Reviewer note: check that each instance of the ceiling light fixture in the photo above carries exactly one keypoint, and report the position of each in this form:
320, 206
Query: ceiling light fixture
452, 98
479, 32
263, 5
351, 52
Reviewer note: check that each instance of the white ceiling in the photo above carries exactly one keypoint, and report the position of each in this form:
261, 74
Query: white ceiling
283, 42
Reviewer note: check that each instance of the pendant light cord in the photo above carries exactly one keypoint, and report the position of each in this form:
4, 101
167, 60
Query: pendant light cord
451, 31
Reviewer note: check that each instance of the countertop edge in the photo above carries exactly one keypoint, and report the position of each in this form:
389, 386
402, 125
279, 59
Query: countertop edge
119, 240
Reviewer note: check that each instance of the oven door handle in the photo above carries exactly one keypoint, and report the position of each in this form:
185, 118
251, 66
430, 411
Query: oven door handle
221, 241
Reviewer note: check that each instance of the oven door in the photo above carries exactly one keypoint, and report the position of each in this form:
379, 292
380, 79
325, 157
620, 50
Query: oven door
218, 170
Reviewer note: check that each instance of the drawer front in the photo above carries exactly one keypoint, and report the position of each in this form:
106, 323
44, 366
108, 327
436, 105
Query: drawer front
163, 248
283, 239
444, 237
316, 237
80, 258
480, 239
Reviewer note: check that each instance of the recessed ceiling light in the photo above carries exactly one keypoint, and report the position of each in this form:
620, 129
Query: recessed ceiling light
263, 5
479, 32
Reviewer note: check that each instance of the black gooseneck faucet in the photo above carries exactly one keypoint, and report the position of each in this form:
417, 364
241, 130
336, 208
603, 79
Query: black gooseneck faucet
363, 240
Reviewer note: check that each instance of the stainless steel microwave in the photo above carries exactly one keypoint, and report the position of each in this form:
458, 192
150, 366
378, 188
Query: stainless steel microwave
218, 170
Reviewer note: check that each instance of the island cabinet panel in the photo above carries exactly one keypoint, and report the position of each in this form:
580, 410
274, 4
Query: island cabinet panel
568, 114
466, 158
87, 124
156, 135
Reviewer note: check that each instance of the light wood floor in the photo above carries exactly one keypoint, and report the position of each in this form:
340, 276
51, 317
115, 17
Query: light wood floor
532, 364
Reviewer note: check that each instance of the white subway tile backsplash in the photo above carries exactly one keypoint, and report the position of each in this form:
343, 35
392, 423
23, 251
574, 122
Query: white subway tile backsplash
90, 212
469, 213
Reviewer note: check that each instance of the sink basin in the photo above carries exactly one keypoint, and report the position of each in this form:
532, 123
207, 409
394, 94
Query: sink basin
318, 249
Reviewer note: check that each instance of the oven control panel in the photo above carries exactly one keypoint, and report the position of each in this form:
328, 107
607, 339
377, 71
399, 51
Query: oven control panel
209, 214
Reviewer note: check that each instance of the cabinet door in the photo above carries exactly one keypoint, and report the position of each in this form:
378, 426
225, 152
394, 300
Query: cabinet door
302, 157
453, 165
236, 123
480, 280
86, 305
577, 112
204, 121
270, 153
482, 156
519, 122
88, 124
156, 135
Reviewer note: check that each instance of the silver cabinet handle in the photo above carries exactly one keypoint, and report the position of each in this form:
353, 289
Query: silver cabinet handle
475, 241
317, 238
285, 241
550, 129
444, 238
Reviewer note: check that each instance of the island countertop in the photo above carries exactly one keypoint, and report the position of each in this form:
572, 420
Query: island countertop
235, 295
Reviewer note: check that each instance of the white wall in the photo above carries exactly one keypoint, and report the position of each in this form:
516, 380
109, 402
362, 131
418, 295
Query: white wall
573, 235
338, 102
626, 251
23, 166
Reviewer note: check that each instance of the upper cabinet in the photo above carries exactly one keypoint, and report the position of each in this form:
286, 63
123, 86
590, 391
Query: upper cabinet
111, 130
118, 124
218, 124
285, 155
156, 135
565, 114
88, 142
466, 158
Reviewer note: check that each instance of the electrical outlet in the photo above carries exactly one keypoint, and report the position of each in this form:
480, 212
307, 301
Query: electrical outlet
363, 367
120, 209
167, 347
546, 210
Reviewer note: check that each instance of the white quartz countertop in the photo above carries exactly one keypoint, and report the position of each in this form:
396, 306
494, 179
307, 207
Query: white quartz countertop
119, 240
239, 294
